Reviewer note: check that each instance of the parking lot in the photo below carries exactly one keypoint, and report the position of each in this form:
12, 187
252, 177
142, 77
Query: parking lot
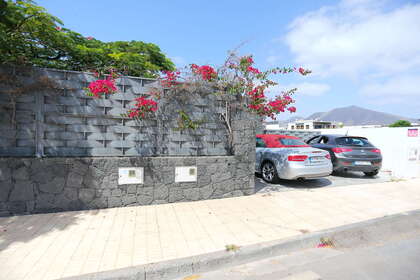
336, 180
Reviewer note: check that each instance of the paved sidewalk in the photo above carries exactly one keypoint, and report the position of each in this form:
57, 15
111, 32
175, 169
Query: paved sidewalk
51, 246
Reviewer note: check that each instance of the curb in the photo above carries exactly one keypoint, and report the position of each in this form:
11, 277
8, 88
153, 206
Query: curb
357, 234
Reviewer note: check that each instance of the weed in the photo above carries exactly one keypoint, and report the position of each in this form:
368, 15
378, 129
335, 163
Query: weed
232, 247
325, 242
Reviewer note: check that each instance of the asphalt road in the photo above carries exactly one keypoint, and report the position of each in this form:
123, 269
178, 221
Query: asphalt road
336, 180
396, 260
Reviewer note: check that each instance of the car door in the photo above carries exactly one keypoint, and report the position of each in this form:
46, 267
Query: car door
326, 143
260, 147
314, 141
322, 142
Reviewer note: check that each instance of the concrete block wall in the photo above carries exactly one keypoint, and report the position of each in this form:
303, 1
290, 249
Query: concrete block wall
64, 121
82, 150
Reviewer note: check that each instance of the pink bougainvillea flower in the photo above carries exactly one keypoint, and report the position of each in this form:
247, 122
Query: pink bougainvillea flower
142, 107
206, 72
253, 70
301, 70
100, 87
89, 38
292, 109
287, 98
304, 71
58, 28
170, 78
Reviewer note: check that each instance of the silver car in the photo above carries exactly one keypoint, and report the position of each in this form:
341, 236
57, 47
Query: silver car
287, 157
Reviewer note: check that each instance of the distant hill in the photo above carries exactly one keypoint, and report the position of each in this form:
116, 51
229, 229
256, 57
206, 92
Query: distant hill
292, 119
354, 115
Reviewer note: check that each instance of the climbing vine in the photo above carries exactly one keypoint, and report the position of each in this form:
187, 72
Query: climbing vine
185, 122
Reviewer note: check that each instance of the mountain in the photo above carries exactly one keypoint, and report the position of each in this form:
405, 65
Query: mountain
354, 115
292, 119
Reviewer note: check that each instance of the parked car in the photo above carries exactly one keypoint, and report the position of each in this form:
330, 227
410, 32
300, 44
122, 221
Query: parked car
350, 153
288, 157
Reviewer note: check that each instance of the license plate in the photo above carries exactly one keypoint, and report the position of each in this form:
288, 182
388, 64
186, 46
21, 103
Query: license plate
316, 159
362, 163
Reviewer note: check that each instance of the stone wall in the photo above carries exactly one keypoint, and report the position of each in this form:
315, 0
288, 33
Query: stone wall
60, 184
32, 185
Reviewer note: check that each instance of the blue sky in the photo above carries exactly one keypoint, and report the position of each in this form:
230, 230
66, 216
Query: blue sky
362, 52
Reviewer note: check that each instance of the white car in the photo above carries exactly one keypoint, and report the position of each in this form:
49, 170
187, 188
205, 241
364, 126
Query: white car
288, 157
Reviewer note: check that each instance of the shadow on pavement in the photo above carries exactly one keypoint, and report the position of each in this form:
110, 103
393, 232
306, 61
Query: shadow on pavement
25, 228
262, 187
352, 174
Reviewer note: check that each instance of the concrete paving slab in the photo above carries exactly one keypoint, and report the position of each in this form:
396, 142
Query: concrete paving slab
73, 244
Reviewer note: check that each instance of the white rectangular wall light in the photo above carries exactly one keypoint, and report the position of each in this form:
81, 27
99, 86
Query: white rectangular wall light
130, 175
186, 174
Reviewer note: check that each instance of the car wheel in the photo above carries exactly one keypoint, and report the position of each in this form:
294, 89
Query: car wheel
371, 174
269, 172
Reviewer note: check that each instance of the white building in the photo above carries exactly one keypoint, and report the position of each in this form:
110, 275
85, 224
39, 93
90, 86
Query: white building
274, 126
312, 124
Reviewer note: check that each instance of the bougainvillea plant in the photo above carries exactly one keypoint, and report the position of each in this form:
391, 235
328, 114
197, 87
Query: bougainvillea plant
105, 84
142, 108
237, 76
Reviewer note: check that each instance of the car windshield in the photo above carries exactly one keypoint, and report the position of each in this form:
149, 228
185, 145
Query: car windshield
292, 142
353, 141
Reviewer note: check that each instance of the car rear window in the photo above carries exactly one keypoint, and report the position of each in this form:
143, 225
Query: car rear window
292, 142
353, 141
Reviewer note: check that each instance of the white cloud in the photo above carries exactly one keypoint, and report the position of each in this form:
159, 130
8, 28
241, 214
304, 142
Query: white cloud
356, 38
373, 44
400, 89
305, 88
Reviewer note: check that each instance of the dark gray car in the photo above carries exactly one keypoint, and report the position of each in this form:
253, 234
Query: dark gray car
350, 153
